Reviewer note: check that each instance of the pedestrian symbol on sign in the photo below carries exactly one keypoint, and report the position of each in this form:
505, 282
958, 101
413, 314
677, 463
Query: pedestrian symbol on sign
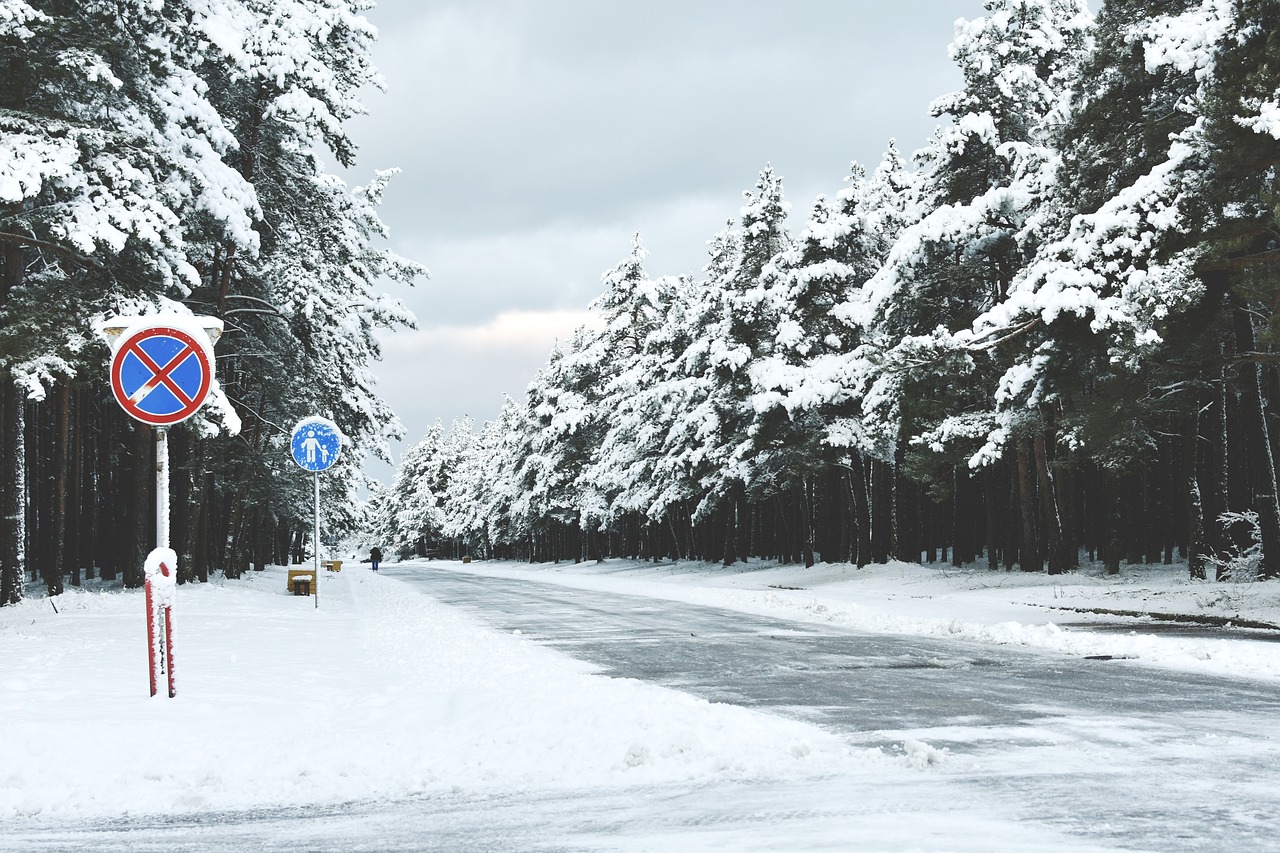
316, 444
311, 444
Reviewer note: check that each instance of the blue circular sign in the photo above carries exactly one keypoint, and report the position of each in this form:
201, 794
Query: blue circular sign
316, 444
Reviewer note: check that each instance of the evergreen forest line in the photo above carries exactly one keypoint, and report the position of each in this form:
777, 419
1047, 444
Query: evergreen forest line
1047, 336
171, 158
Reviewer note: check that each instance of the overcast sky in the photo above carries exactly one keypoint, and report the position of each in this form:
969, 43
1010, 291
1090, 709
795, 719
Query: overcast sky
536, 137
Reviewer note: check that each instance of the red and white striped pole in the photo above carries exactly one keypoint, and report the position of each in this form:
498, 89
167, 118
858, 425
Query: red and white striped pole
162, 583
151, 637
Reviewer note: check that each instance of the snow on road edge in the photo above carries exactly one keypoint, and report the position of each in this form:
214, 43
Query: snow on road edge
928, 602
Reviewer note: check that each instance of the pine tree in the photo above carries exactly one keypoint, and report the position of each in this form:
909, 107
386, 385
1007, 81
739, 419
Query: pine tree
737, 333
109, 149
304, 303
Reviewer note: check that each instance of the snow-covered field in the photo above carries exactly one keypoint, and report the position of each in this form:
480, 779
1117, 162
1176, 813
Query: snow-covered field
380, 692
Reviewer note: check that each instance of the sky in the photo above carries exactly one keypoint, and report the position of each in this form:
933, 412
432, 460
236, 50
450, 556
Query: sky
535, 139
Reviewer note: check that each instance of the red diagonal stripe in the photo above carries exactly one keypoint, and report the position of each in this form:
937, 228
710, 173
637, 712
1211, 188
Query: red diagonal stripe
161, 374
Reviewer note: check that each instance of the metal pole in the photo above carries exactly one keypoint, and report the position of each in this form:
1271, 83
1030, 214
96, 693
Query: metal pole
162, 487
160, 616
315, 475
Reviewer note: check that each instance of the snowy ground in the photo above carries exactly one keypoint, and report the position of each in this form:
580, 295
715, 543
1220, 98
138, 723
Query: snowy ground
382, 693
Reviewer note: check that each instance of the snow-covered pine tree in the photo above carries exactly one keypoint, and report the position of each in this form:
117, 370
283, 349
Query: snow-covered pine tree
162, 155
632, 470
629, 312
414, 505
306, 304
1237, 66
808, 383
412, 511
983, 187
485, 489
567, 422
736, 333
1121, 303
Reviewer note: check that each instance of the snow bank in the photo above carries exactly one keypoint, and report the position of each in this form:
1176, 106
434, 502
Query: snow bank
1004, 608
378, 693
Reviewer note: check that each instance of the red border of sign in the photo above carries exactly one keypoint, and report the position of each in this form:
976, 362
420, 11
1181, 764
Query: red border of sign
127, 346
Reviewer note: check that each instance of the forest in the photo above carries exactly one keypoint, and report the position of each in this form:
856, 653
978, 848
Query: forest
1046, 337
178, 157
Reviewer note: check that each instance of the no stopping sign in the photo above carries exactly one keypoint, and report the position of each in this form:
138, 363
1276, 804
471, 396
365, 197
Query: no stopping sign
161, 375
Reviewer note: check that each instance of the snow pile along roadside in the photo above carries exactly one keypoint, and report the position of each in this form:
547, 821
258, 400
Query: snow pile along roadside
1060, 613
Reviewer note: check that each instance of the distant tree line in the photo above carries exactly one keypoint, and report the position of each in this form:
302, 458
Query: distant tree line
1050, 334
168, 157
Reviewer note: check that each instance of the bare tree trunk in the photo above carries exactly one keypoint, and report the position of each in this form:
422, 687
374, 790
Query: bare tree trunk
1265, 502
142, 526
806, 524
12, 489
12, 581
57, 564
989, 494
1114, 545
76, 528
729, 513
1029, 551
1050, 518
861, 509
1196, 547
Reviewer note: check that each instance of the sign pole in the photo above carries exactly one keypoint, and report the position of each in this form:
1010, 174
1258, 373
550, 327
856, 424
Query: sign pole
152, 669
162, 487
316, 477
316, 443
162, 541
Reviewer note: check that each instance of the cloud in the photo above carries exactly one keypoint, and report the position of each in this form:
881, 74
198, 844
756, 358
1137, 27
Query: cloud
513, 115
447, 372
517, 331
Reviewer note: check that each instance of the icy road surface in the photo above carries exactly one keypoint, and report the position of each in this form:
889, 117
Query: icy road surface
1114, 754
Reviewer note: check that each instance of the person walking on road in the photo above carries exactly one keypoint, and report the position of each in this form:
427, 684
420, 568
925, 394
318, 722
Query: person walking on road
375, 557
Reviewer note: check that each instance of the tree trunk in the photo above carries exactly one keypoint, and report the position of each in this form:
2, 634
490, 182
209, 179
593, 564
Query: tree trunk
1050, 518
1114, 543
881, 511
989, 493
12, 581
11, 478
729, 512
861, 509
1196, 547
1265, 502
75, 521
806, 524
1030, 560
142, 506
56, 568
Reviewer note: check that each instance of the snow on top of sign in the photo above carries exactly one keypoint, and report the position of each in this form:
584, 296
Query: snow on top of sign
322, 421
196, 327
